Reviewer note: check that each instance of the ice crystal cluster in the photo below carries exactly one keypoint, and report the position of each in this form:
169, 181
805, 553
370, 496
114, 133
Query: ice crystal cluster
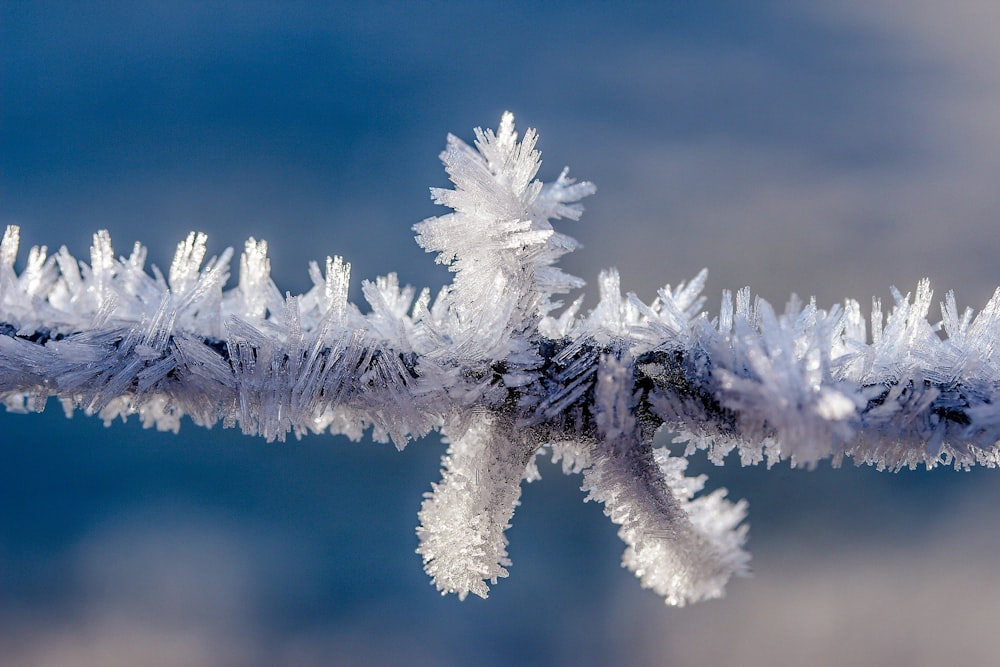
506, 373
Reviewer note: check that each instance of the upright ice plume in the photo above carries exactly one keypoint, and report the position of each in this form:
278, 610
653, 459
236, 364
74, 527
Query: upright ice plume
505, 375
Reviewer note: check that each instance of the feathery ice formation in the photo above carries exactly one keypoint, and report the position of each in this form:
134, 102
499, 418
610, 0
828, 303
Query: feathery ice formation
494, 365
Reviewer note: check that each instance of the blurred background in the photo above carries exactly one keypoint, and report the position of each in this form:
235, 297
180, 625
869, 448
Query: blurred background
830, 151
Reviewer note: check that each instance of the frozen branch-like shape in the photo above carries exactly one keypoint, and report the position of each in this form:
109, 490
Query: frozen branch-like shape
463, 520
494, 366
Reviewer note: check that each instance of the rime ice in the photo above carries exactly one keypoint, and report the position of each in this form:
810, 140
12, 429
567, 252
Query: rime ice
505, 374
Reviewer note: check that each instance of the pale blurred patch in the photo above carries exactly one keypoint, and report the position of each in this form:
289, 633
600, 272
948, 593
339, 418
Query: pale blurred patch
927, 602
188, 594
158, 587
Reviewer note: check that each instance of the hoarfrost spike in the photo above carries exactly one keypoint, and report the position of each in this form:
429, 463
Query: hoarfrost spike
504, 377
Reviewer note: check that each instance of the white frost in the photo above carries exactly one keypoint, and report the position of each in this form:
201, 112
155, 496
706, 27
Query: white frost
493, 365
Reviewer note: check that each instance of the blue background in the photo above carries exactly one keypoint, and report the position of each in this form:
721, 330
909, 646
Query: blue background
831, 152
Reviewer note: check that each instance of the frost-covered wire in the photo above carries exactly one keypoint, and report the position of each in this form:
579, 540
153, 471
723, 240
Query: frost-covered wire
505, 373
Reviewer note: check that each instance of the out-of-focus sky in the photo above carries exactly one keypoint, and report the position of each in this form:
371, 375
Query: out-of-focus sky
829, 150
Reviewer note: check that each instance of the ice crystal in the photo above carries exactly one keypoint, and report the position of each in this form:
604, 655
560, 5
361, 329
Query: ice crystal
505, 375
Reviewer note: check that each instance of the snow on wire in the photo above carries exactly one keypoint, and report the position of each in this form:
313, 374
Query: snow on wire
497, 367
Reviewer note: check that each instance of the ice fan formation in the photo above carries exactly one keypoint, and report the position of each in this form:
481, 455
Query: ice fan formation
497, 365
